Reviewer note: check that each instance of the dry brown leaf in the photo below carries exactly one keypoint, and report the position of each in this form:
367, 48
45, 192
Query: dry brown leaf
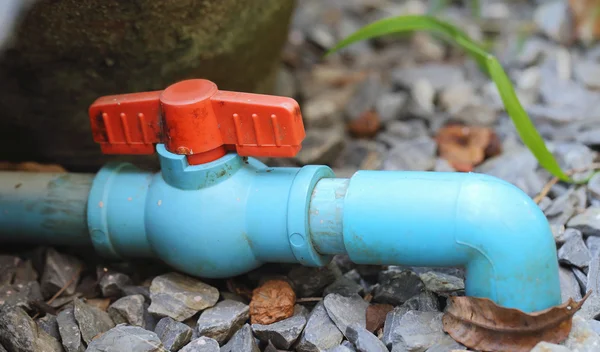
31, 167
480, 324
465, 147
366, 125
376, 314
272, 302
586, 18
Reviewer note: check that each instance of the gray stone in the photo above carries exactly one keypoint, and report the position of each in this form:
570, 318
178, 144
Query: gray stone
365, 96
569, 286
389, 106
562, 208
447, 345
551, 18
112, 284
309, 281
20, 295
132, 290
321, 111
442, 165
442, 283
321, 145
588, 73
282, 333
456, 97
425, 301
581, 278
173, 334
422, 94
402, 130
582, 337
346, 310
69, 331
592, 243
515, 166
179, 296
19, 333
418, 154
344, 286
320, 332
574, 252
49, 324
322, 36
591, 307
24, 273
91, 320
589, 137
594, 325
417, 331
397, 286
573, 156
476, 115
301, 310
222, 320
362, 154
561, 234
126, 338
392, 324
341, 348
441, 76
363, 339
202, 344
549, 347
587, 222
242, 340
534, 50
594, 188
128, 310
59, 270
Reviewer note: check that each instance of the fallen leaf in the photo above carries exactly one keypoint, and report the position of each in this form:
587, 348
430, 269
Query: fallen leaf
465, 147
31, 167
272, 302
585, 15
376, 314
480, 324
366, 125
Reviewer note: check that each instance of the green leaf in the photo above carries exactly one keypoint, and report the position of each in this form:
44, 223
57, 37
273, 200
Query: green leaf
489, 64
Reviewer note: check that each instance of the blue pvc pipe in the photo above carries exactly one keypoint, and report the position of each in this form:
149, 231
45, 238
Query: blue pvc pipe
229, 216
445, 219
44, 208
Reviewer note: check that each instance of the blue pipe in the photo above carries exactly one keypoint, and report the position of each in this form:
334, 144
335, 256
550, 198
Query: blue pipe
231, 215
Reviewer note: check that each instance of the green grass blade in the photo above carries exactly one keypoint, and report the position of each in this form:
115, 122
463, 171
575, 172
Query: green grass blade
490, 65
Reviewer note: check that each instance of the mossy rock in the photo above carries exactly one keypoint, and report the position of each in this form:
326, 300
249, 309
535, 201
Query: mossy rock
70, 52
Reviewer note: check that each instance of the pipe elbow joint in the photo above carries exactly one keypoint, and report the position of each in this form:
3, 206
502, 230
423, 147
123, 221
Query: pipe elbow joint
510, 244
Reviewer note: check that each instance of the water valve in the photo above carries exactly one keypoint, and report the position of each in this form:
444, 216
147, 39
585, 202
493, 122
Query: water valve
196, 119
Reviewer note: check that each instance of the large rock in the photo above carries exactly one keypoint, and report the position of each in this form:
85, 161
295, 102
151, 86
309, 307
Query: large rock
126, 338
112, 47
179, 296
19, 333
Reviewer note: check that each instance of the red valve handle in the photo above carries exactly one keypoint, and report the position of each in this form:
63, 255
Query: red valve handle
196, 119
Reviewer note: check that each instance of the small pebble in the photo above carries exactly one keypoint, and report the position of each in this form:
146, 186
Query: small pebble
126, 338
112, 283
587, 222
575, 252
19, 333
59, 269
345, 311
441, 283
173, 334
69, 331
179, 296
242, 340
202, 344
222, 320
310, 282
344, 286
282, 333
320, 332
128, 310
396, 287
91, 320
363, 339
582, 337
549, 347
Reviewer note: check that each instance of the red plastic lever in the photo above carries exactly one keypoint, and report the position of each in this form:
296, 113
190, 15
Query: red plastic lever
196, 119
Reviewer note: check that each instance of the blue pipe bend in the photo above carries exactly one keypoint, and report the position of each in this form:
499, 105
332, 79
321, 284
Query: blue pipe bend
479, 222
232, 215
